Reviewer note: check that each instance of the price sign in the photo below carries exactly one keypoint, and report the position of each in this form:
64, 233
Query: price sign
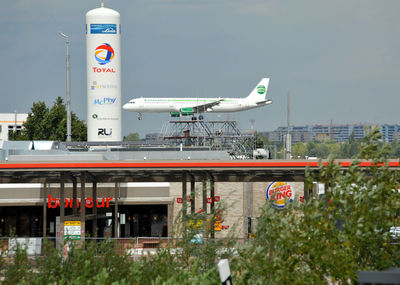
72, 230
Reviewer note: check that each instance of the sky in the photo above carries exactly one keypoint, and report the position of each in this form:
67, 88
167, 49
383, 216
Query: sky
340, 60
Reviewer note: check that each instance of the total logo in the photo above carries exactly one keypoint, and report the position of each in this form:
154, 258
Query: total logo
278, 193
104, 132
103, 70
105, 101
104, 54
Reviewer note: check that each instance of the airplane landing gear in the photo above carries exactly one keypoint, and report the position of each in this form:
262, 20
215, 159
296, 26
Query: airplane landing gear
139, 116
201, 117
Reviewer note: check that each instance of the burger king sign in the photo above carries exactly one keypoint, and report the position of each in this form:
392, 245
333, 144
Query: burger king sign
279, 192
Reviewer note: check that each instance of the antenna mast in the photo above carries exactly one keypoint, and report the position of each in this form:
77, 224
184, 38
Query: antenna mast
288, 139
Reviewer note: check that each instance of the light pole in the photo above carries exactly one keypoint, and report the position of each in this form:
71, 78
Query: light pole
68, 87
288, 138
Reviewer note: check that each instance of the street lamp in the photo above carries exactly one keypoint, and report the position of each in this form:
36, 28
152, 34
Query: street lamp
68, 87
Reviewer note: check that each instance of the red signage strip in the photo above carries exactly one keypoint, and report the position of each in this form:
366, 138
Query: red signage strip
192, 164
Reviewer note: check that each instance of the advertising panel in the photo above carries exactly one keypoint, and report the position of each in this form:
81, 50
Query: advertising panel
72, 230
279, 193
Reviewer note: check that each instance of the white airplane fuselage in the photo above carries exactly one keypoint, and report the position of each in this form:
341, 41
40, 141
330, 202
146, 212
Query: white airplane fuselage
159, 105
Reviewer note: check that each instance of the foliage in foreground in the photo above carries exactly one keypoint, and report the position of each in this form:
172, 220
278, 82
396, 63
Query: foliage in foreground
333, 237
325, 240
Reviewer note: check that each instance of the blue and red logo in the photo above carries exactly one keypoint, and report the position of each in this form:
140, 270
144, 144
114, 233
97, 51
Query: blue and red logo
104, 54
278, 193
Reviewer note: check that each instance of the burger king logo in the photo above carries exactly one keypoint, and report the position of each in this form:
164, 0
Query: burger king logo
280, 192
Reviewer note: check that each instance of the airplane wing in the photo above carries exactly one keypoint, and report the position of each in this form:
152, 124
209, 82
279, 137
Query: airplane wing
203, 107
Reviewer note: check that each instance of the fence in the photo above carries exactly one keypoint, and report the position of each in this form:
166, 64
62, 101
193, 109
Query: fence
134, 247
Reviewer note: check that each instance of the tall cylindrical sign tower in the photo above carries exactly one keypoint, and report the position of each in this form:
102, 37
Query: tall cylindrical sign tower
103, 59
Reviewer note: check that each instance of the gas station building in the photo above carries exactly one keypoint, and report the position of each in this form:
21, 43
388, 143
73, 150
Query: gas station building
135, 199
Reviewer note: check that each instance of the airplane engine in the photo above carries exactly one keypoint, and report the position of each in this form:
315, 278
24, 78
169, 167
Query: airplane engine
187, 111
209, 109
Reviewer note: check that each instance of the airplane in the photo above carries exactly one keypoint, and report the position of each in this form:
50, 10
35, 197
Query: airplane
178, 107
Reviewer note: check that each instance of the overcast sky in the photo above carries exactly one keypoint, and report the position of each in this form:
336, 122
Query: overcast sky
339, 59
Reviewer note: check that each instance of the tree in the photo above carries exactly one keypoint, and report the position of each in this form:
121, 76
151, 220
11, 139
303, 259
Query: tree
333, 149
78, 129
263, 140
350, 149
58, 121
132, 137
299, 150
260, 141
327, 240
395, 149
50, 124
36, 124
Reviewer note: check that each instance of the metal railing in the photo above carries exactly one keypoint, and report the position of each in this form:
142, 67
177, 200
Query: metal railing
134, 246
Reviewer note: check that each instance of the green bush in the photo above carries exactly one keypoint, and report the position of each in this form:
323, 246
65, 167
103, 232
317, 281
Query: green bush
331, 238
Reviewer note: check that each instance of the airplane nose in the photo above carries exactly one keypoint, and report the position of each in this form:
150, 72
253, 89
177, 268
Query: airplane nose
125, 107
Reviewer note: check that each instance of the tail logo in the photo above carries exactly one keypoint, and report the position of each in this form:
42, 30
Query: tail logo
261, 89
